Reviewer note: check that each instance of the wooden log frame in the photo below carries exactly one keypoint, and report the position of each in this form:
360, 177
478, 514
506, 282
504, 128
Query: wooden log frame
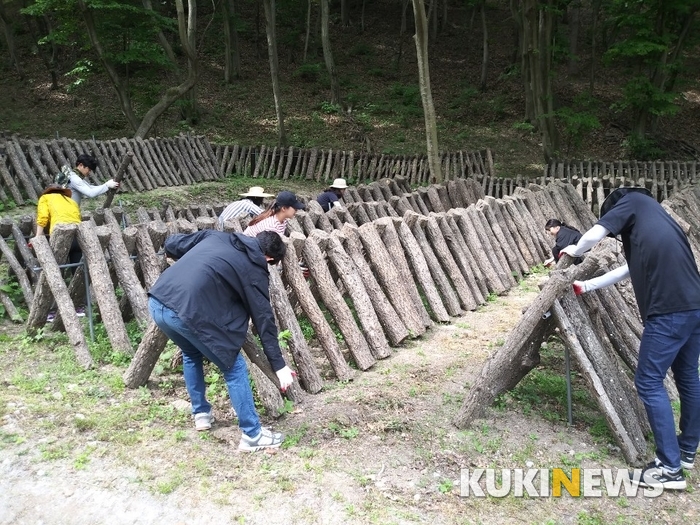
9, 182
504, 231
333, 300
520, 353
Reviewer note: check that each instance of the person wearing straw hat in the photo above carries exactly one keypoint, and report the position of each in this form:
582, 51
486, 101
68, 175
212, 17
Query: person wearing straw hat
330, 198
250, 205
666, 282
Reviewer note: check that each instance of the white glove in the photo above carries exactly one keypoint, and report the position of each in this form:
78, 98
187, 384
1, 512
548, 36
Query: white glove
111, 184
286, 377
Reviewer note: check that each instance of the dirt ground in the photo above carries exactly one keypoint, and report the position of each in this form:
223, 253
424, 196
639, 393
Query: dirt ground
380, 449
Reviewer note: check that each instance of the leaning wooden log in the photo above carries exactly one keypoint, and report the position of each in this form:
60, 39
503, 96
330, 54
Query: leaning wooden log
309, 375
361, 301
514, 223
463, 257
146, 356
148, 260
394, 328
386, 229
22, 170
447, 293
126, 160
520, 352
494, 249
631, 441
19, 272
335, 303
9, 182
21, 246
391, 279
295, 279
266, 382
124, 267
491, 210
51, 274
421, 271
103, 288
61, 240
10, 308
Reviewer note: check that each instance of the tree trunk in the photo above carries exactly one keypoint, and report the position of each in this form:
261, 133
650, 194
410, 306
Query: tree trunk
574, 25
308, 31
328, 53
232, 60
270, 27
485, 47
344, 13
162, 39
9, 39
421, 38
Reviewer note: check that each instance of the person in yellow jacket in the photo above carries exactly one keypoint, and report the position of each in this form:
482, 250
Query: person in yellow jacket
56, 206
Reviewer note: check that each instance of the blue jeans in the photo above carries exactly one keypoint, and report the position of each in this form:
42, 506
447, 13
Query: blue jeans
193, 354
671, 341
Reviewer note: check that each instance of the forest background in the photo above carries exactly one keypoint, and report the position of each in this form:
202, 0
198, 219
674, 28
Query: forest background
532, 80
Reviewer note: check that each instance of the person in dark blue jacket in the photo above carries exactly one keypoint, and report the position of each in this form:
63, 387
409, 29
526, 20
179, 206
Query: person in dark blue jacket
203, 303
666, 282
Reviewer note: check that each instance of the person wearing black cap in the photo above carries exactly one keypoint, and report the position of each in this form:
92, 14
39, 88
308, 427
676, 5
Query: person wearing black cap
276, 216
666, 285
73, 179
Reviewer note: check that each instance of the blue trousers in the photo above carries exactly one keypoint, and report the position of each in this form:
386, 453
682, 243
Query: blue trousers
193, 354
671, 341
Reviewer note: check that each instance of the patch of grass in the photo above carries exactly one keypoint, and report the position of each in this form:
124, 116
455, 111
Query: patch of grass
292, 439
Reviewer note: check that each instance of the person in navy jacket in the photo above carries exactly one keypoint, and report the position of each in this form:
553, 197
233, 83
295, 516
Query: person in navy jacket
204, 302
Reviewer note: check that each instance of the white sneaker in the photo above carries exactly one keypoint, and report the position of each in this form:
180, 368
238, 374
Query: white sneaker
266, 439
203, 421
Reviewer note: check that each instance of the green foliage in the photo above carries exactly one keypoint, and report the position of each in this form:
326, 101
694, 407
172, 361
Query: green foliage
216, 387
283, 338
308, 72
330, 109
642, 148
652, 34
102, 351
361, 49
578, 120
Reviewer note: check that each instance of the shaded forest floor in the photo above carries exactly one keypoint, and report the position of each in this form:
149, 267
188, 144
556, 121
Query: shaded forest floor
381, 103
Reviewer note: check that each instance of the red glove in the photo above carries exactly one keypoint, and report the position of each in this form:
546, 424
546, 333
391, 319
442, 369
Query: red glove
578, 289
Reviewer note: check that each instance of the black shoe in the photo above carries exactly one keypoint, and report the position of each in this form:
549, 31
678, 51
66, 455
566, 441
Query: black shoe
687, 460
655, 475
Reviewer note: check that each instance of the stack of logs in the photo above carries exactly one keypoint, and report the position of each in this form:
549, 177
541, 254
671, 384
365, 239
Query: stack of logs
382, 268
27, 166
601, 329
400, 273
321, 165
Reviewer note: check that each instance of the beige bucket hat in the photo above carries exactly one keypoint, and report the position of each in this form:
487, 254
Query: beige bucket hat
339, 184
256, 191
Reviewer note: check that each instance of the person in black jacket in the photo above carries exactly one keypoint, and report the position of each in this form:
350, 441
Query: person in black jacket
203, 304
564, 236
